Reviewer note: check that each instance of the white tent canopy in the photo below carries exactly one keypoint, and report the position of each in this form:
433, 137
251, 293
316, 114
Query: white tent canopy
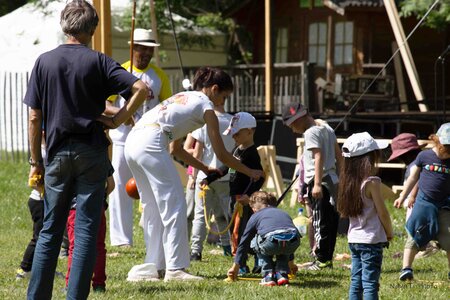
32, 30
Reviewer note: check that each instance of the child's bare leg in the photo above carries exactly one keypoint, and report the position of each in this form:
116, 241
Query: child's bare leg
408, 257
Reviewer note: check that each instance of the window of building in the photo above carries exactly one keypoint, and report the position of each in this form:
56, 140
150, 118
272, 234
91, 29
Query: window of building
317, 43
311, 3
281, 51
343, 43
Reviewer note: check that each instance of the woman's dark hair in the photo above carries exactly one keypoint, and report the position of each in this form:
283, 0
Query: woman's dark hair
78, 17
353, 172
207, 77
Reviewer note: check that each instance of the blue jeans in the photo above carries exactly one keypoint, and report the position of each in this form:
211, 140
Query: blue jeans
79, 170
366, 270
269, 246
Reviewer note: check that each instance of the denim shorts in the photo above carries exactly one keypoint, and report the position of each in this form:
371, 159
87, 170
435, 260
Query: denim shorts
443, 236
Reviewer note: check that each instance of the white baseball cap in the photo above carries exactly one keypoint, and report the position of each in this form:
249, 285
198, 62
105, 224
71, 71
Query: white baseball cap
361, 143
240, 121
444, 134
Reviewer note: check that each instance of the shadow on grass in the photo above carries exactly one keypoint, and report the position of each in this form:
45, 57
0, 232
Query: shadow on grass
397, 271
316, 283
187, 288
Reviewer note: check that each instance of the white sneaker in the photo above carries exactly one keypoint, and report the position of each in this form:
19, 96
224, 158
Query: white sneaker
180, 275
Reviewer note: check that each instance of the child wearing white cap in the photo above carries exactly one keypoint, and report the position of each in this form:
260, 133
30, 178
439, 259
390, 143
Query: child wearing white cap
359, 199
242, 128
430, 216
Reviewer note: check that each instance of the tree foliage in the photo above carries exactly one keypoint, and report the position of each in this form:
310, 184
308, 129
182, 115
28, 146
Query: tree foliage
192, 19
7, 6
439, 18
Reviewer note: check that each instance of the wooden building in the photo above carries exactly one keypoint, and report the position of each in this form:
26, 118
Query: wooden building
348, 39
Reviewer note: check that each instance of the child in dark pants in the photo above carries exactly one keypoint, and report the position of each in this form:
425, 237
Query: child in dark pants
269, 232
99, 277
36, 206
321, 155
242, 129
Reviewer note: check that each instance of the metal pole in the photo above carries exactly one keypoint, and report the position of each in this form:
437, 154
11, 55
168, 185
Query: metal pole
175, 37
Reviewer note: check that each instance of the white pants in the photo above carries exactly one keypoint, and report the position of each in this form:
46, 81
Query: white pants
162, 197
120, 204
217, 202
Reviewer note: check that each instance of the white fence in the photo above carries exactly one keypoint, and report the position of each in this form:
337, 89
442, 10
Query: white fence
290, 81
13, 115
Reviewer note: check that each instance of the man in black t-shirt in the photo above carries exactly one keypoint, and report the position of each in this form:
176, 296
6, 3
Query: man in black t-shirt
66, 95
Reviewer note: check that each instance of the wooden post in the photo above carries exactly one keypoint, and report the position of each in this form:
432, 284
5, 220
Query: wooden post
155, 31
101, 40
268, 57
271, 169
329, 61
410, 66
399, 79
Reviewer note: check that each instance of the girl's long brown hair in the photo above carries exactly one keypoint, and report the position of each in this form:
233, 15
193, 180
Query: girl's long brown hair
353, 172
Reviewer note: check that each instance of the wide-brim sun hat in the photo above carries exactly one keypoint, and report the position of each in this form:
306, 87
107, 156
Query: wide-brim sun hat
403, 143
361, 143
144, 37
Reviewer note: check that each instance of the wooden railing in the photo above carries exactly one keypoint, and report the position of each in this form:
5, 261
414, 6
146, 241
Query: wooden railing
290, 84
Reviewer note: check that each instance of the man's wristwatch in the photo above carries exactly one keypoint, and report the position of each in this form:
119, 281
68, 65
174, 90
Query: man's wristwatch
35, 163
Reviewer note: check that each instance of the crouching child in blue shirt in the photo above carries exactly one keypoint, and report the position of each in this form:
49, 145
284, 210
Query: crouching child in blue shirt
269, 232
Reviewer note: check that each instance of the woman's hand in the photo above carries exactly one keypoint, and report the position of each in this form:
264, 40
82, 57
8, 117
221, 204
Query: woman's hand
256, 174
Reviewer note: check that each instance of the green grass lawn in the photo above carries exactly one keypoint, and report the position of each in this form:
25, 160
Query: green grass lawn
15, 232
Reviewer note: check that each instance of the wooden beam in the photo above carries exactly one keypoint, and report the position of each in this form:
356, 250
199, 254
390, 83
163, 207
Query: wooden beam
268, 56
329, 60
101, 40
155, 31
399, 79
408, 60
